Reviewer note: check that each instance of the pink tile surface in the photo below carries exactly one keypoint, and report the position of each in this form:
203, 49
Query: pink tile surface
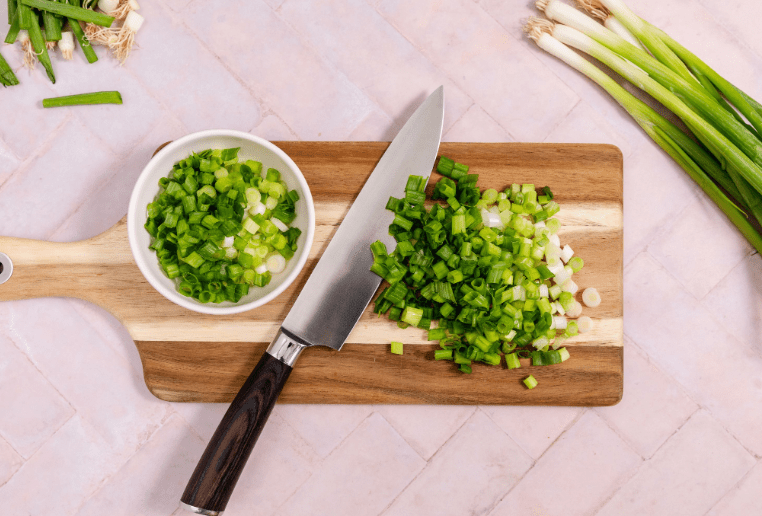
425, 428
442, 28
476, 126
493, 470
167, 72
323, 426
701, 221
55, 183
64, 472
686, 342
335, 104
10, 461
740, 292
354, 50
79, 432
533, 428
32, 408
587, 463
336, 489
94, 379
744, 498
144, 485
649, 395
687, 476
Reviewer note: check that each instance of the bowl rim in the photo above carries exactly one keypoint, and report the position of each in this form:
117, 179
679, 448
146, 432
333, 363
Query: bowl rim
140, 255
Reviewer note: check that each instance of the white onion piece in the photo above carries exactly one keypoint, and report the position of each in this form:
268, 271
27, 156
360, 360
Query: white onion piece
559, 322
555, 240
584, 324
257, 209
591, 297
108, 6
575, 311
543, 290
561, 277
276, 263
570, 286
261, 269
228, 242
66, 45
133, 22
279, 224
493, 220
566, 253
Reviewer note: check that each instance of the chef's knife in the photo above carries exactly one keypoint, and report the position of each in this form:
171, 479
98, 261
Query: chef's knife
328, 307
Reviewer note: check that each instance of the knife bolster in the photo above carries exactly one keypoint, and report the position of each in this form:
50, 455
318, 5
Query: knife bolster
286, 348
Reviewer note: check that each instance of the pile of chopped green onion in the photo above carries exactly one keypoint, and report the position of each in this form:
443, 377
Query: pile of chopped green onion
721, 150
220, 226
488, 266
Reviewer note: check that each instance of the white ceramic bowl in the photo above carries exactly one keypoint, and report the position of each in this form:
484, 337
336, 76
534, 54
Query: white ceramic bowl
252, 147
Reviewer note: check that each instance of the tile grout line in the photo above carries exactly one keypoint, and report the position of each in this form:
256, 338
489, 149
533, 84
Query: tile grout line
732, 33
106, 479
419, 51
322, 459
642, 465
36, 153
699, 300
325, 60
27, 353
733, 488
701, 406
255, 95
425, 55
427, 462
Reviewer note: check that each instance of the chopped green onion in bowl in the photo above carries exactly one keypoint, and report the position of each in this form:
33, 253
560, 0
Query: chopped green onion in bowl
221, 225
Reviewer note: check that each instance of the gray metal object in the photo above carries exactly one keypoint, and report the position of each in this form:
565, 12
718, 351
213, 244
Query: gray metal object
342, 285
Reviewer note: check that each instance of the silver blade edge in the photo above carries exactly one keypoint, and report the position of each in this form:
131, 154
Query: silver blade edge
341, 285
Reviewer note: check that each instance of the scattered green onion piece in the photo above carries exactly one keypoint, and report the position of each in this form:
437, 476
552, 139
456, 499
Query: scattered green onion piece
443, 354
530, 382
84, 99
396, 348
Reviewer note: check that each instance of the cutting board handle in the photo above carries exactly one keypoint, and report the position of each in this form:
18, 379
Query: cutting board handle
217, 472
71, 269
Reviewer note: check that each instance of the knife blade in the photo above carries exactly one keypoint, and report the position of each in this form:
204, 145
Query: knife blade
325, 312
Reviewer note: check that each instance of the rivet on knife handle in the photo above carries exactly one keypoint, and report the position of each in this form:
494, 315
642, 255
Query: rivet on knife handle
217, 472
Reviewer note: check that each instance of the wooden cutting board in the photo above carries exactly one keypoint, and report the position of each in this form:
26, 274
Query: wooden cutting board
200, 358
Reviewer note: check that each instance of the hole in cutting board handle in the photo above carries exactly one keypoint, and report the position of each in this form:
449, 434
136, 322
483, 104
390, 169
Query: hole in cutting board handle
160, 147
6, 268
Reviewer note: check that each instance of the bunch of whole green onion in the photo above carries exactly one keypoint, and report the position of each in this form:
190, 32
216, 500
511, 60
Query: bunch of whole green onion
488, 266
722, 149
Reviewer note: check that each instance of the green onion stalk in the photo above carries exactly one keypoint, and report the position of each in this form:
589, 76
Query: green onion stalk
38, 44
7, 77
678, 57
79, 33
700, 165
709, 114
740, 167
70, 11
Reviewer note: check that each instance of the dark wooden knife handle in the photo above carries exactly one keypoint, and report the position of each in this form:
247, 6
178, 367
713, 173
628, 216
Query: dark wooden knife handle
217, 472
